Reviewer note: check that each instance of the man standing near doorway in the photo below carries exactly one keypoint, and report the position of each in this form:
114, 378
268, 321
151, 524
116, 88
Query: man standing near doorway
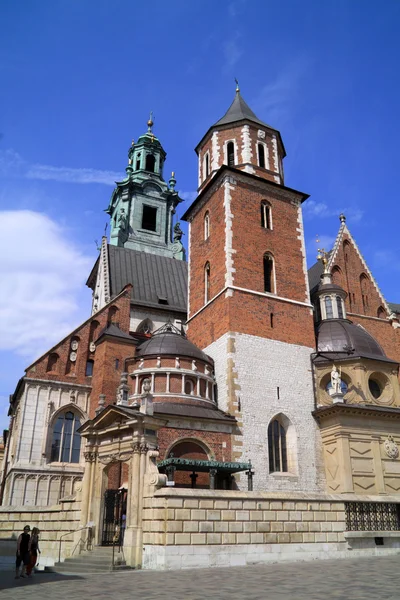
22, 552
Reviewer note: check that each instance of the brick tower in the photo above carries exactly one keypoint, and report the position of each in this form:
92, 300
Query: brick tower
249, 305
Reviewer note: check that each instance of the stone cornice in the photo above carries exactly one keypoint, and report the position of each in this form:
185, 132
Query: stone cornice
356, 410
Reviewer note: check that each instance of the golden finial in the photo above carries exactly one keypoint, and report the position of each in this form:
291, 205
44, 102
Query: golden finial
150, 122
173, 174
133, 143
237, 85
322, 255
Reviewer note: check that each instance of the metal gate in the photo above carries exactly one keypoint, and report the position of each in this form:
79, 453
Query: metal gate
114, 517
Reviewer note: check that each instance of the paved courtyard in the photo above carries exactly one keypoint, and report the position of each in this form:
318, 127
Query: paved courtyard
355, 579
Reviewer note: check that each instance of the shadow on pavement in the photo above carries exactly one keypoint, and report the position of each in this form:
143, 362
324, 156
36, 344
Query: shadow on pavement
7, 579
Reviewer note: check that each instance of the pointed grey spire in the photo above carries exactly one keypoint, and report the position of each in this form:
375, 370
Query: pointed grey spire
238, 111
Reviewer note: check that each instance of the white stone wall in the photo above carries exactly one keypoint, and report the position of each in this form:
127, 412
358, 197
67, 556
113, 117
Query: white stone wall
260, 366
158, 319
32, 479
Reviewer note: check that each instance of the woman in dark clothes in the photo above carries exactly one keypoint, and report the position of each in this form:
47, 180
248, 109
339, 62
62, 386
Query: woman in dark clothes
22, 552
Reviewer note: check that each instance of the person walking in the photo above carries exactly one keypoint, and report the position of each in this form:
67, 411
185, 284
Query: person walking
22, 552
33, 549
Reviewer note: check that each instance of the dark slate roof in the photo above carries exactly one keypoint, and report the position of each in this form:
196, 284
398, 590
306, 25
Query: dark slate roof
238, 111
171, 344
115, 331
152, 276
191, 410
314, 275
341, 336
394, 307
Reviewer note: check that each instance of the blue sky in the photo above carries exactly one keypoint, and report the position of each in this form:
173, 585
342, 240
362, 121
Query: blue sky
78, 80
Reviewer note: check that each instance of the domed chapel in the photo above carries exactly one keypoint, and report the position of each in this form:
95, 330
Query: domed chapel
234, 400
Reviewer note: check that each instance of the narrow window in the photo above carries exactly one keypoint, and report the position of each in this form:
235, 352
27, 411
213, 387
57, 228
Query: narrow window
230, 150
277, 447
381, 313
268, 273
271, 320
89, 368
149, 218
339, 307
207, 165
265, 215
117, 364
261, 156
66, 442
52, 362
150, 163
206, 225
328, 307
138, 162
207, 283
113, 316
189, 387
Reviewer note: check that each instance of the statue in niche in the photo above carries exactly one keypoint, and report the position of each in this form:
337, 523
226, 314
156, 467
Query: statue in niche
336, 380
122, 220
178, 233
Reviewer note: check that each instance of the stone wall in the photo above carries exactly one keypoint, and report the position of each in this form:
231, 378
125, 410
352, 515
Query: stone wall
53, 521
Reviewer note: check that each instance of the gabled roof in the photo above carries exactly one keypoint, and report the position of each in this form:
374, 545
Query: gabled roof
238, 111
115, 331
153, 277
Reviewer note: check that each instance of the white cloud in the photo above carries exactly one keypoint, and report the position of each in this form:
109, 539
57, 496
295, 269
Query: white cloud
13, 165
42, 274
232, 51
313, 209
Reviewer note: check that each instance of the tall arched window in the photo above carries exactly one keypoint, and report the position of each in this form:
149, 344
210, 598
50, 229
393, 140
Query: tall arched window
52, 362
113, 315
261, 155
328, 307
268, 273
266, 220
150, 163
66, 442
277, 450
230, 151
364, 281
206, 225
206, 165
339, 307
94, 326
207, 272
381, 314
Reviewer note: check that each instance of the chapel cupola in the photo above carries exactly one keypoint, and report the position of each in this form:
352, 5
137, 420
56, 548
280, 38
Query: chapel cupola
329, 298
143, 204
241, 140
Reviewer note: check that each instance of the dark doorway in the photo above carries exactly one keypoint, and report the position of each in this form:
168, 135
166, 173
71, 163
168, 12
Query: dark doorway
114, 516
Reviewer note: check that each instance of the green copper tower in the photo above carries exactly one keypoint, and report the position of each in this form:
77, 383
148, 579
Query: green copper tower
142, 205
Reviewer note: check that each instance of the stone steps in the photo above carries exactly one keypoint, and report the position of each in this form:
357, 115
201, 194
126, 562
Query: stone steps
98, 560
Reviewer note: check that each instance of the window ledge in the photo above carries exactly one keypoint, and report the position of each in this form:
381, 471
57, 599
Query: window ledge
284, 475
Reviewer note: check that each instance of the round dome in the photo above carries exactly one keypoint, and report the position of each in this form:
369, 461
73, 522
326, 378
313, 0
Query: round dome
171, 344
330, 287
341, 335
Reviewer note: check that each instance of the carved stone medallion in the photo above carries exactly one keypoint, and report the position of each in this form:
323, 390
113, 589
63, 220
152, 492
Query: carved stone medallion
72, 357
74, 345
391, 448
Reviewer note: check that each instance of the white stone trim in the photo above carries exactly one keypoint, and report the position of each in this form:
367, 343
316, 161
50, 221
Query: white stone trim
102, 287
215, 150
229, 251
247, 151
189, 263
300, 237
266, 154
275, 154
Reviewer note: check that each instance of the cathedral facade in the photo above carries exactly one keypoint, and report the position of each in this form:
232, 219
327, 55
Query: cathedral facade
238, 370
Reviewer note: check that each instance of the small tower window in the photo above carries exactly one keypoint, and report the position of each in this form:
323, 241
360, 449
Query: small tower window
149, 218
207, 282
206, 225
261, 156
138, 162
266, 221
189, 387
268, 273
206, 165
150, 163
328, 307
89, 368
230, 151
339, 307
277, 447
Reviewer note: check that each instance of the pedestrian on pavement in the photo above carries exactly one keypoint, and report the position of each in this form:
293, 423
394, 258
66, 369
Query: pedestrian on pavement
22, 552
33, 549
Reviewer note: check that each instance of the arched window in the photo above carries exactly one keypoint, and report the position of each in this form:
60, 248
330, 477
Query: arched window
94, 325
150, 163
66, 442
145, 326
381, 313
328, 307
206, 165
89, 368
277, 450
268, 273
138, 162
266, 220
261, 155
339, 307
52, 362
230, 152
337, 277
113, 315
189, 387
346, 250
364, 281
206, 225
207, 272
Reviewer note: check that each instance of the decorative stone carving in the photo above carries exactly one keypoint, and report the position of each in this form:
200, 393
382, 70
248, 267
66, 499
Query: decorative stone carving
141, 363
146, 386
72, 397
90, 456
194, 366
92, 347
261, 134
74, 345
158, 362
72, 356
136, 447
336, 380
115, 457
391, 448
153, 476
143, 448
177, 363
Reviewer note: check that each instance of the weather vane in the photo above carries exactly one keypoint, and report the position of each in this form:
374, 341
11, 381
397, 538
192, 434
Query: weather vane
237, 85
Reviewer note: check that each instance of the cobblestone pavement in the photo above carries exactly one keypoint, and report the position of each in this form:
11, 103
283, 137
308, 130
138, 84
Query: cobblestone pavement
376, 578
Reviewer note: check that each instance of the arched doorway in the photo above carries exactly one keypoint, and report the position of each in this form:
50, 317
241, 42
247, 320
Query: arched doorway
191, 449
115, 503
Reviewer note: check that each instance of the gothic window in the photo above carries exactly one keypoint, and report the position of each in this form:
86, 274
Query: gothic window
89, 368
339, 307
230, 151
381, 313
364, 290
189, 387
145, 326
94, 325
268, 273
266, 220
261, 155
66, 442
207, 282
328, 307
206, 225
206, 165
277, 450
52, 362
113, 315
150, 163
149, 218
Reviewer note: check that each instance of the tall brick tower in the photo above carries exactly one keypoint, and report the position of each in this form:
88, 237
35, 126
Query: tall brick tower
249, 305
